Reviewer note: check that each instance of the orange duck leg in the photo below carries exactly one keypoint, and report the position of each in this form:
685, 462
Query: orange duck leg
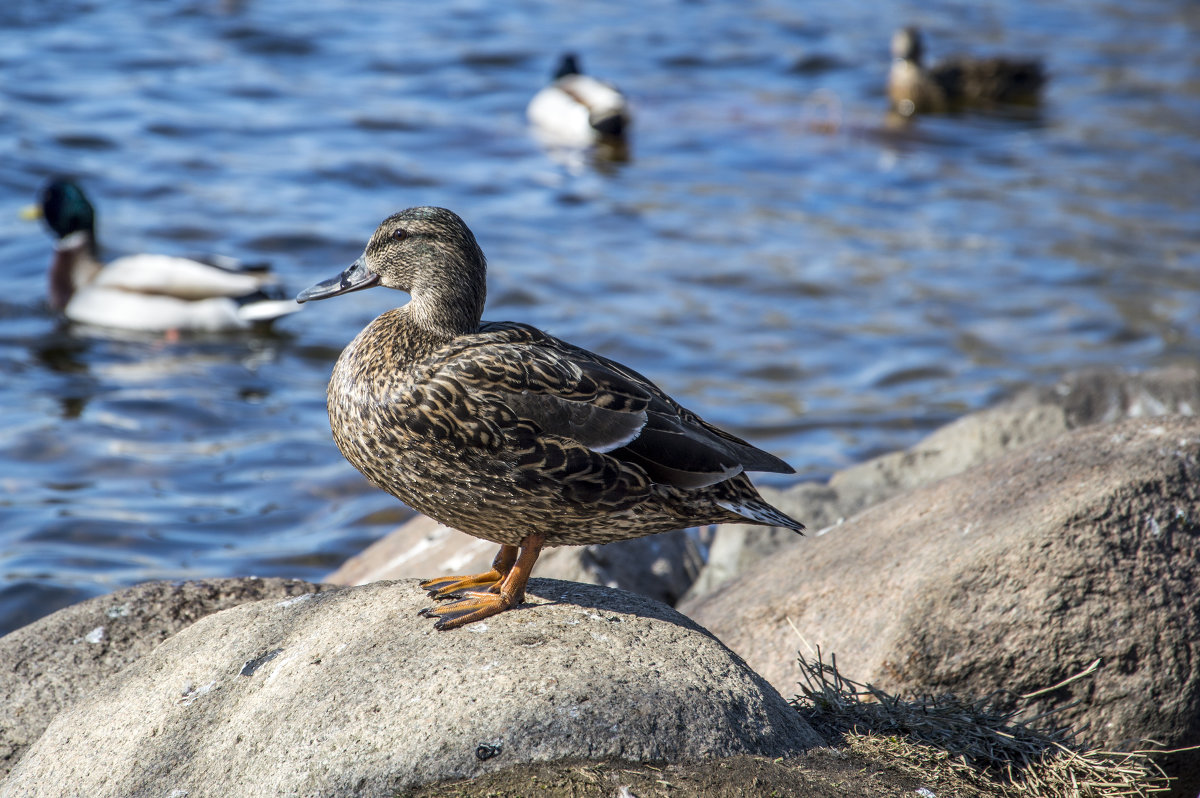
501, 594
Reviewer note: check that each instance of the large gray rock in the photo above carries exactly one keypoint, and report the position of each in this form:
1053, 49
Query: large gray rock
48, 664
661, 567
1039, 414
1014, 575
349, 692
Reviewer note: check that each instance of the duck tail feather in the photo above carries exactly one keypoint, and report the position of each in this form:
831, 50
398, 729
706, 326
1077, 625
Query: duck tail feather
762, 513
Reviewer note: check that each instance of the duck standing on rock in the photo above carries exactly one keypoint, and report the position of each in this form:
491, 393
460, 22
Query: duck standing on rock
146, 293
511, 435
577, 109
957, 83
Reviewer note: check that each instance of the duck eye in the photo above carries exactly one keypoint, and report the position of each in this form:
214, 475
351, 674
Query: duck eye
399, 234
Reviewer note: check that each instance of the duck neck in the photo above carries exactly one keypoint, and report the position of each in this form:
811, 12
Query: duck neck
446, 317
448, 302
75, 265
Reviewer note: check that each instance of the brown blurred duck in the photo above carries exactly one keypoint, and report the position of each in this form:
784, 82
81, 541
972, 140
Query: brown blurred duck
957, 83
511, 435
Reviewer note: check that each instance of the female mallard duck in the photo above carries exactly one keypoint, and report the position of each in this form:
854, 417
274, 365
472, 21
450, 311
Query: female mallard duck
509, 434
145, 293
956, 83
576, 109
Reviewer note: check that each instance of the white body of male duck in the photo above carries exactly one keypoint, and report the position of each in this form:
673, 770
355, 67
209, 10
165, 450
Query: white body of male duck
577, 109
146, 293
509, 434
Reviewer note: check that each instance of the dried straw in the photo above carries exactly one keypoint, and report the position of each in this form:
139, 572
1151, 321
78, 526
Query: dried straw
971, 743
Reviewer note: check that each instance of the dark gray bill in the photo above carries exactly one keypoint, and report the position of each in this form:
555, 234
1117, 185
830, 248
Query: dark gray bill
356, 278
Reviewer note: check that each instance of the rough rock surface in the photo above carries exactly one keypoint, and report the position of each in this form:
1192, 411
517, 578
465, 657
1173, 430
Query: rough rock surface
46, 665
350, 692
1016, 574
1080, 399
661, 567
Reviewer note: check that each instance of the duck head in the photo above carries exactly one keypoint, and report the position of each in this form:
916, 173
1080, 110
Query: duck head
70, 216
66, 209
567, 65
907, 45
430, 254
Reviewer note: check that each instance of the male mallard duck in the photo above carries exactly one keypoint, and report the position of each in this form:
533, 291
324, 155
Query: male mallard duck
146, 293
509, 434
576, 109
956, 83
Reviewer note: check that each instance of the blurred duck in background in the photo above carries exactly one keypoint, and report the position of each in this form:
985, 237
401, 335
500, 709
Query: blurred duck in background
957, 83
147, 293
577, 110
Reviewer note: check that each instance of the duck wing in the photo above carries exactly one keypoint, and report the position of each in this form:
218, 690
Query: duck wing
679, 448
581, 398
228, 263
535, 384
178, 277
607, 108
989, 80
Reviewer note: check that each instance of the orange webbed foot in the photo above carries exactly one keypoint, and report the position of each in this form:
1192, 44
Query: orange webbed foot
442, 587
468, 607
504, 587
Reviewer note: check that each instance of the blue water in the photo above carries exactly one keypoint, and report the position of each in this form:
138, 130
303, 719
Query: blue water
773, 253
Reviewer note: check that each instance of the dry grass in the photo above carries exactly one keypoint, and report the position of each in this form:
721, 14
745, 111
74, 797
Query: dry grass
970, 742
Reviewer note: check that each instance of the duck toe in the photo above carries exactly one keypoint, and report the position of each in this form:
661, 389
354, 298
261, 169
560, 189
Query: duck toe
444, 587
469, 606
